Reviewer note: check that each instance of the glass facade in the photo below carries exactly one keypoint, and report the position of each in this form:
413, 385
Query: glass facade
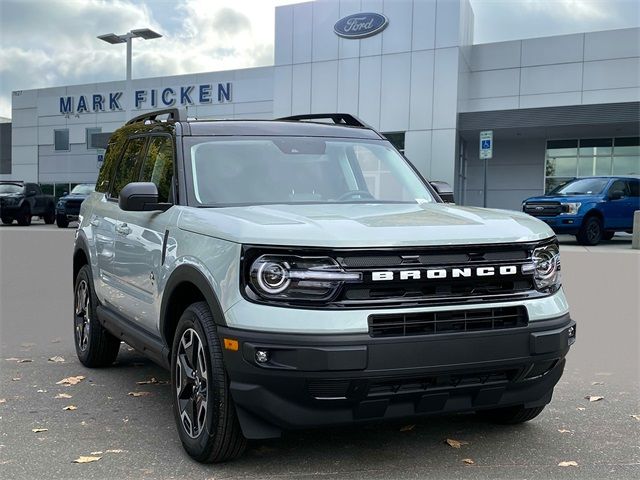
567, 159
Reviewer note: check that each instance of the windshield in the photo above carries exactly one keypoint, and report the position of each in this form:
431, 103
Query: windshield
581, 186
10, 188
83, 189
289, 170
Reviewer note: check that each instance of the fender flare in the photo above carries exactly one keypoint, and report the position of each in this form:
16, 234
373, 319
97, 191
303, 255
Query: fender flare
189, 273
81, 244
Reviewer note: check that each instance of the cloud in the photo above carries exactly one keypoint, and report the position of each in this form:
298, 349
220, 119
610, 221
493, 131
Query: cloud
47, 43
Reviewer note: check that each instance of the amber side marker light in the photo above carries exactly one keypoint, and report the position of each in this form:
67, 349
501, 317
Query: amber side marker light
231, 344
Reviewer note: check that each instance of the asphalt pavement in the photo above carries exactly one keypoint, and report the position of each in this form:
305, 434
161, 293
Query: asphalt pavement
136, 435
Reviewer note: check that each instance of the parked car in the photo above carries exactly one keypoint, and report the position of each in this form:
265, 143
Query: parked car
23, 200
296, 274
591, 208
68, 207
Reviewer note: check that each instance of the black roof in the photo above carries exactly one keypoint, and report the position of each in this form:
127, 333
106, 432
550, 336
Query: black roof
278, 128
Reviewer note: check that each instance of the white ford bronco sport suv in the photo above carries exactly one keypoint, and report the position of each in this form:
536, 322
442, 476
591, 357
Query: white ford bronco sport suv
300, 272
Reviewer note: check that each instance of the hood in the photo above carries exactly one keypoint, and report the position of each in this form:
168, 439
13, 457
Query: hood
363, 225
74, 196
11, 194
565, 198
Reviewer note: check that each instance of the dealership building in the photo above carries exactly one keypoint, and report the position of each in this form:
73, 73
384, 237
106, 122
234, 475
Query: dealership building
558, 107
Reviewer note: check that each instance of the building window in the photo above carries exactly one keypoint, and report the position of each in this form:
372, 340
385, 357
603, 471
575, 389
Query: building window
396, 139
91, 139
568, 159
61, 139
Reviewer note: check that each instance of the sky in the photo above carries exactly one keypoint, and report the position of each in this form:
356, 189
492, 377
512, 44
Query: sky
47, 43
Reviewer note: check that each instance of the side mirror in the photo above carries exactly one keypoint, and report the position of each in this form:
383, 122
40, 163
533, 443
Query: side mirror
616, 195
444, 190
141, 197
65, 193
31, 193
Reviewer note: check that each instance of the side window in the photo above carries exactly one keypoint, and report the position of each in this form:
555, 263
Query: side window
129, 165
634, 188
158, 165
620, 185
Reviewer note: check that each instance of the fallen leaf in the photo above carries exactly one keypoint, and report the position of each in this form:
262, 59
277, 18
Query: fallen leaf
16, 379
70, 407
152, 381
70, 380
570, 463
116, 450
468, 461
4, 400
56, 340
63, 395
139, 394
580, 408
27, 345
38, 430
56, 359
637, 417
83, 423
97, 453
41, 391
86, 459
12, 359
562, 430
455, 443
594, 398
407, 428
597, 383
25, 360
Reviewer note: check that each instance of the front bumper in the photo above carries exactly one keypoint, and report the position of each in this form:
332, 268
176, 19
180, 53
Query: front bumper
319, 380
11, 210
563, 224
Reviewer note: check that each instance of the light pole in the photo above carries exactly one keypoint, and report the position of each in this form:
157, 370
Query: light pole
144, 33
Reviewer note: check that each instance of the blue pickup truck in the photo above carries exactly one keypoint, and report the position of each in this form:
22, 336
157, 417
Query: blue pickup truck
591, 208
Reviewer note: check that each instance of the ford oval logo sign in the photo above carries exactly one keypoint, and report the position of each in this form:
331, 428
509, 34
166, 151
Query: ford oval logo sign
360, 25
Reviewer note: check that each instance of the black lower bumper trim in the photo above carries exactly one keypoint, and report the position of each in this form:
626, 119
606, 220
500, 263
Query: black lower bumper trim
316, 380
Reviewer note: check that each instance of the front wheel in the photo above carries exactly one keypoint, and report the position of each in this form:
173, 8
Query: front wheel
590, 231
62, 221
95, 346
7, 220
203, 408
24, 217
511, 415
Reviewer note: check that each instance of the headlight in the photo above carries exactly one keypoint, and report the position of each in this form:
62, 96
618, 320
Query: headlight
545, 267
289, 277
570, 208
9, 200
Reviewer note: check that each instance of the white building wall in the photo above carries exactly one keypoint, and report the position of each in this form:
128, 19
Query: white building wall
586, 68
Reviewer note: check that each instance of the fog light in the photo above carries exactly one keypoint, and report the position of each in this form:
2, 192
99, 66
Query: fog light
572, 335
262, 356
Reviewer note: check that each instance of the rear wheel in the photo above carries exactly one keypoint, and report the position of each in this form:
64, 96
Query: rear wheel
511, 415
95, 346
590, 231
62, 221
24, 217
7, 220
203, 408
50, 216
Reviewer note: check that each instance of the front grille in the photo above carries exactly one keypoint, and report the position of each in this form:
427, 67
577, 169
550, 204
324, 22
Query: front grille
456, 321
543, 209
74, 204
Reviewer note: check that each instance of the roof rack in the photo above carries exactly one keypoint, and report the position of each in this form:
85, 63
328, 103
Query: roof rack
338, 118
174, 114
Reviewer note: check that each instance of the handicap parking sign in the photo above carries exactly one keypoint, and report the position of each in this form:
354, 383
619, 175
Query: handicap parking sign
486, 144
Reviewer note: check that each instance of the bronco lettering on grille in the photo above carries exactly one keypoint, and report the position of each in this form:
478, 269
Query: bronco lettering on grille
436, 273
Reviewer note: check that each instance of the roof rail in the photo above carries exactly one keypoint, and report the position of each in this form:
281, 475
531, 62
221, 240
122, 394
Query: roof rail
175, 114
338, 118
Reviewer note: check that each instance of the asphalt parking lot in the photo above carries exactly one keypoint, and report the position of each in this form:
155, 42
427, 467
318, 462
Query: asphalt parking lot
136, 434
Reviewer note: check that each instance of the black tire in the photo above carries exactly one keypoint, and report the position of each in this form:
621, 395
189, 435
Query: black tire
590, 231
215, 435
7, 220
24, 217
608, 235
50, 216
510, 415
95, 346
62, 221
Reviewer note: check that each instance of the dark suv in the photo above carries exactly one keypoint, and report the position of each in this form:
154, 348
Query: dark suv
591, 208
23, 200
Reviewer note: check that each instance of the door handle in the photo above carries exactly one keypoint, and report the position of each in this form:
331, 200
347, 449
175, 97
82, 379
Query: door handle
95, 223
123, 229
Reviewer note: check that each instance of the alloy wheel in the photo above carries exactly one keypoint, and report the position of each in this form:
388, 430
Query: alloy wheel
192, 383
83, 315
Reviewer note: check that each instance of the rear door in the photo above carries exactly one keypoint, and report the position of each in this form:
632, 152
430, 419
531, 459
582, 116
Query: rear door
616, 210
140, 237
105, 221
633, 202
